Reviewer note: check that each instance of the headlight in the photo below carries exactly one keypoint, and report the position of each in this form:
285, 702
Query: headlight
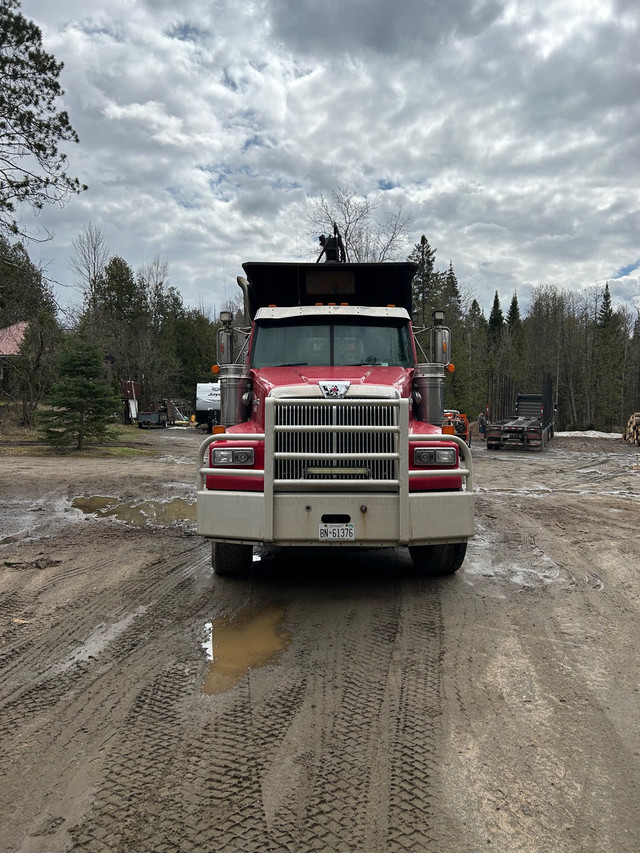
235, 456
428, 456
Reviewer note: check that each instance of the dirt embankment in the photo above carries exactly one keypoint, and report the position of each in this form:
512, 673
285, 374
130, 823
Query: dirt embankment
352, 705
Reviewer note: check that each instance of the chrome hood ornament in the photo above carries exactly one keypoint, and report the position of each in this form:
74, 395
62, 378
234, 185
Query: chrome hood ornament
332, 389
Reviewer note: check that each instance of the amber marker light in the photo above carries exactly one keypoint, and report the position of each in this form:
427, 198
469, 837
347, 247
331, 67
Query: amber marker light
451, 368
219, 429
215, 368
448, 429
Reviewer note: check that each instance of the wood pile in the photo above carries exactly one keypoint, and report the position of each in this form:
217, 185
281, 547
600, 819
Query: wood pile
633, 429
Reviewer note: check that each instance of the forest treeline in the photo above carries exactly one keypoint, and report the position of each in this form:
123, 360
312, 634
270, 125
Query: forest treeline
590, 350
147, 334
145, 331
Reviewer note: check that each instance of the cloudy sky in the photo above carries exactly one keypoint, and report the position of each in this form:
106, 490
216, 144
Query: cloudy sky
508, 129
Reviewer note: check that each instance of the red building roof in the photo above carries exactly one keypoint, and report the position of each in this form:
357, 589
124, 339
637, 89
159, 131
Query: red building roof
11, 338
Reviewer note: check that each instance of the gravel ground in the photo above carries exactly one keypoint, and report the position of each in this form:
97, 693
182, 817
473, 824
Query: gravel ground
351, 705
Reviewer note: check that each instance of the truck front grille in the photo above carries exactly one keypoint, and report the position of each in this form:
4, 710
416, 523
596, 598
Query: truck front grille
335, 428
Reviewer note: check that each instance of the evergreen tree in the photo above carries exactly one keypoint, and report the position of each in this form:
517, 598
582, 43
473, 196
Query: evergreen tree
33, 370
609, 362
32, 168
634, 388
159, 344
514, 323
496, 321
196, 346
121, 313
495, 335
513, 344
23, 291
451, 299
605, 312
473, 349
424, 256
85, 404
116, 293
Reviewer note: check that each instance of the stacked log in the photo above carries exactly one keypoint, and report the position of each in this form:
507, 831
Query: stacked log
632, 434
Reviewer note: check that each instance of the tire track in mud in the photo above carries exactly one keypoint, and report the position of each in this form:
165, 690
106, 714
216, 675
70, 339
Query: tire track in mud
347, 686
537, 741
413, 750
321, 753
67, 706
135, 801
70, 625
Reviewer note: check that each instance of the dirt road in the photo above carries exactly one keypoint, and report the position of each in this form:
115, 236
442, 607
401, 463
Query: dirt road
351, 706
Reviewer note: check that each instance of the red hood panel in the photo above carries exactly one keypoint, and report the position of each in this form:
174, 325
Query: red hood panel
276, 377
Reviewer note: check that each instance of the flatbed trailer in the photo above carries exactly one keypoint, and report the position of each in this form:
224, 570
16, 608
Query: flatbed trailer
531, 428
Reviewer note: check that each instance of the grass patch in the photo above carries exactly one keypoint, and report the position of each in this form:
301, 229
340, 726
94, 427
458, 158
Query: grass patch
18, 440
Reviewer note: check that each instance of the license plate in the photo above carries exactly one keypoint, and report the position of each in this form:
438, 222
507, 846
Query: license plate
336, 532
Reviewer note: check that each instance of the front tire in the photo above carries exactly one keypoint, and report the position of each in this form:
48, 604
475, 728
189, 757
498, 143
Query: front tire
437, 560
229, 559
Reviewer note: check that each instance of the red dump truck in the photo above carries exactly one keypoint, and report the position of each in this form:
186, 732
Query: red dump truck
331, 431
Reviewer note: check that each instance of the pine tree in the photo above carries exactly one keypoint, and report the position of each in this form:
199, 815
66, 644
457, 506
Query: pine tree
84, 403
473, 354
609, 365
605, 313
425, 257
514, 323
635, 366
33, 170
451, 299
23, 291
496, 320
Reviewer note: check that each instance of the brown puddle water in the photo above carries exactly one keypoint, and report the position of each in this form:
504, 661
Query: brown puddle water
242, 643
139, 514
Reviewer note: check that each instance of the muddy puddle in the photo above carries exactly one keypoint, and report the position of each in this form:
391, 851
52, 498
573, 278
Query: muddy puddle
242, 643
139, 513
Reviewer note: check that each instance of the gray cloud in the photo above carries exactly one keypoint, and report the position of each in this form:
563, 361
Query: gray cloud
508, 130
336, 27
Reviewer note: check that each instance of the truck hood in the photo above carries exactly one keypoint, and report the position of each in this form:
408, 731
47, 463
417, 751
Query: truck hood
364, 380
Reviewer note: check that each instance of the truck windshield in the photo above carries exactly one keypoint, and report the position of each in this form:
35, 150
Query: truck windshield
383, 342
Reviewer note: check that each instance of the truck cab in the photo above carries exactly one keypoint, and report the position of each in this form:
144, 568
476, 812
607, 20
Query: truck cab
331, 430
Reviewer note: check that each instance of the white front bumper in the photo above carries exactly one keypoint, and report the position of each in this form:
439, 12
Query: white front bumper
378, 519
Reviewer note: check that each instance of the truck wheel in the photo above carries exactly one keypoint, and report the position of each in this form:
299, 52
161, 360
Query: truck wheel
229, 559
438, 559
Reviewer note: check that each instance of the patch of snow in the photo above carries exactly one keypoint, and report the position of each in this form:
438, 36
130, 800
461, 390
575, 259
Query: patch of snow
588, 433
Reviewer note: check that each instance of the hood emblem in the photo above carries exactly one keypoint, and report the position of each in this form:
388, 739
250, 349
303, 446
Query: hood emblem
334, 390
